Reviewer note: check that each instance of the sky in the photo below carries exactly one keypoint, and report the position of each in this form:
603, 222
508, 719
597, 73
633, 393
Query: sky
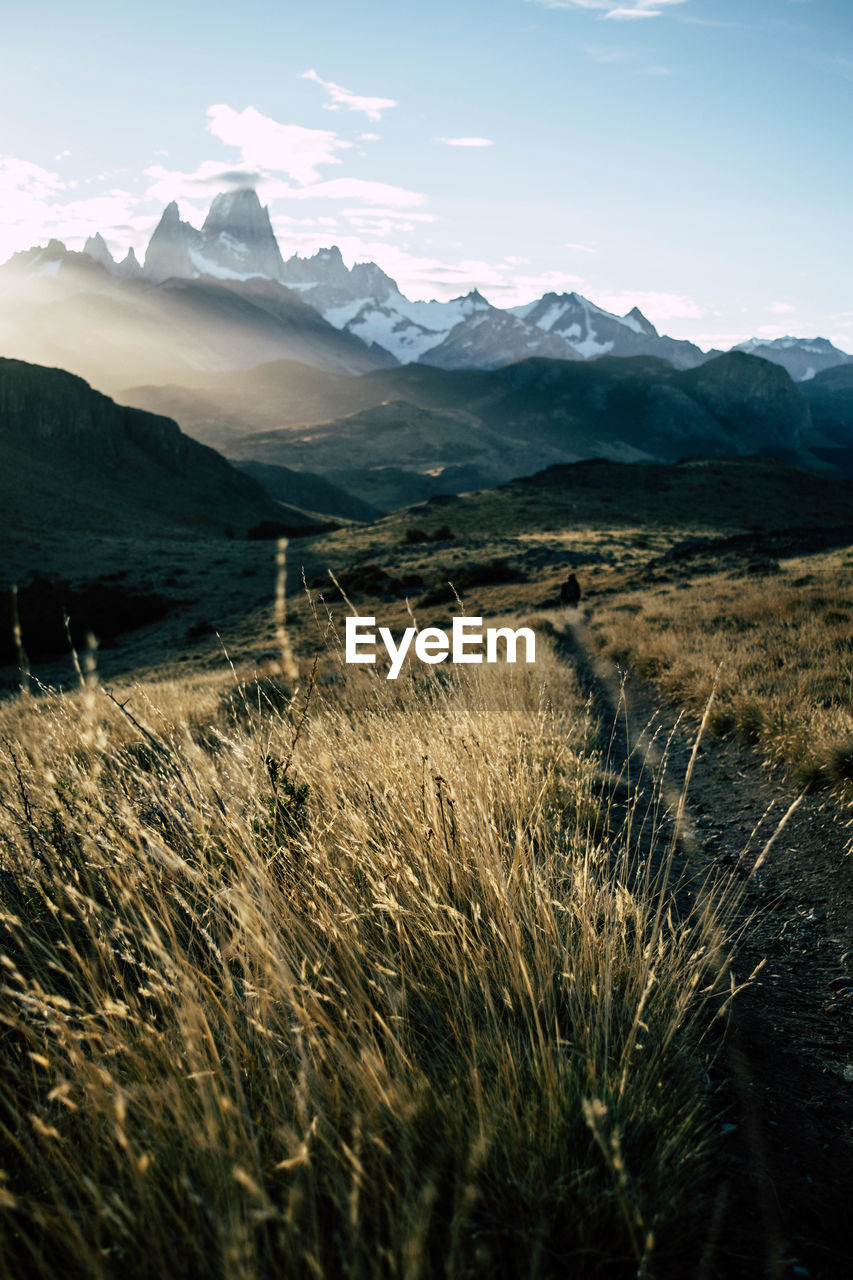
690, 157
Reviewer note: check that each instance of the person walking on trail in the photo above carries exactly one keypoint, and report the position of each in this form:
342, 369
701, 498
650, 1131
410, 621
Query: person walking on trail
570, 592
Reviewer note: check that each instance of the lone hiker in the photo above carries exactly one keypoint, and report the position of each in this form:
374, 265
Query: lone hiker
570, 592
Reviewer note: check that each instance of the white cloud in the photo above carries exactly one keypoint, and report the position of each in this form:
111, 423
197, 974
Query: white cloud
26, 209
423, 277
210, 177
32, 211
378, 193
345, 100
773, 331
388, 213
782, 308
524, 288
368, 137
265, 144
466, 142
722, 341
623, 15
606, 8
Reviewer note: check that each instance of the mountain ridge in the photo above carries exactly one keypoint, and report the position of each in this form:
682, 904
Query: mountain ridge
236, 244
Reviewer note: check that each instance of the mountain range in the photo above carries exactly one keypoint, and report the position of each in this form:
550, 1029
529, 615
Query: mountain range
400, 435
224, 297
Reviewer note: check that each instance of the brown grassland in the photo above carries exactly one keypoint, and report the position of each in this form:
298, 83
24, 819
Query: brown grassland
366, 983
337, 976
777, 648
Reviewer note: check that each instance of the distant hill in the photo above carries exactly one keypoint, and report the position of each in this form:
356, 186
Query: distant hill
312, 493
72, 459
804, 358
830, 398
398, 435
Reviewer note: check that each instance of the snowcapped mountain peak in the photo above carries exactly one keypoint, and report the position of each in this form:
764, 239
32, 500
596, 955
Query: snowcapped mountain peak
635, 317
237, 238
592, 331
802, 357
471, 302
813, 345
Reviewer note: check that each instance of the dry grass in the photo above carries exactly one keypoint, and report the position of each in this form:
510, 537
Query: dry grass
780, 648
369, 990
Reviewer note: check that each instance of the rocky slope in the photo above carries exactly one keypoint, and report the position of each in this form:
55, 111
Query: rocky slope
72, 459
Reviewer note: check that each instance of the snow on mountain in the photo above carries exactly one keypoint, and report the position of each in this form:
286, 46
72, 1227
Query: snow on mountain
592, 331
802, 357
236, 243
465, 332
485, 337
237, 236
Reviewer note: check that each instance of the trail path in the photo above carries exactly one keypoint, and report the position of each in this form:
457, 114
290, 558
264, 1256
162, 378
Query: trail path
783, 1202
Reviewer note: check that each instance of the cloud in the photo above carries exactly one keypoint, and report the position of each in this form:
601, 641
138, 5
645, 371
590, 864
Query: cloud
466, 142
282, 162
623, 15
346, 100
772, 331
31, 211
208, 179
378, 193
388, 213
782, 309
368, 137
606, 9
722, 341
26, 195
420, 276
265, 144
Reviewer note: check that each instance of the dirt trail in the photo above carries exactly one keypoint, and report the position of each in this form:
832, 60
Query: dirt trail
787, 1074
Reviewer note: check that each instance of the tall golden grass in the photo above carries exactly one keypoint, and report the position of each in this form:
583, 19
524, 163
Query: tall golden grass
779, 650
363, 981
